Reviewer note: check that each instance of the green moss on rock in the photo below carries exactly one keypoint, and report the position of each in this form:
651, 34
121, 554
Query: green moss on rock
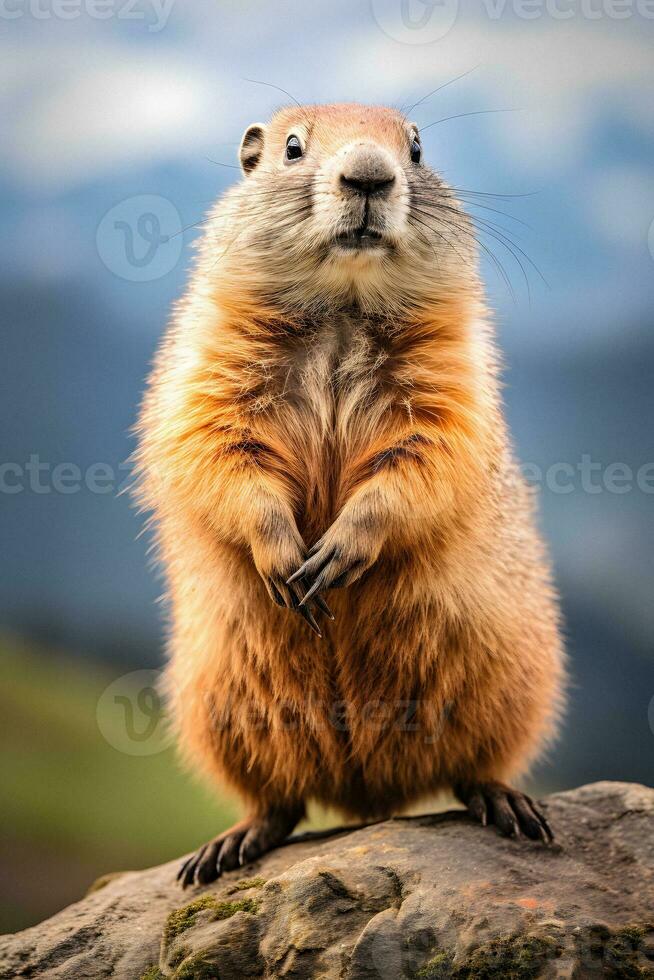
154, 973
197, 968
177, 956
621, 951
439, 967
519, 957
225, 910
185, 917
506, 958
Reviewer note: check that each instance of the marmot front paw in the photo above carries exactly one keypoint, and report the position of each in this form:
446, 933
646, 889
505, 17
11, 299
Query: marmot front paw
338, 559
275, 561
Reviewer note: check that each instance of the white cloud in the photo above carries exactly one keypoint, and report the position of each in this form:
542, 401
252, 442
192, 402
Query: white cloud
76, 111
562, 74
88, 116
105, 111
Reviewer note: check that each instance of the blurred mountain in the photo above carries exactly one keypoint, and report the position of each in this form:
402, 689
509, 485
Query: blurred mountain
70, 397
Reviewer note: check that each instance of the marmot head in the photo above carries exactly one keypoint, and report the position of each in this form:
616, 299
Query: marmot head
339, 204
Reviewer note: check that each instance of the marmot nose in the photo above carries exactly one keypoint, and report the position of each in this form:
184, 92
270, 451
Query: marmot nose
367, 185
367, 171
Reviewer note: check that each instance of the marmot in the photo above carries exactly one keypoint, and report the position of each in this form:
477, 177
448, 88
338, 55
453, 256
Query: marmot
325, 414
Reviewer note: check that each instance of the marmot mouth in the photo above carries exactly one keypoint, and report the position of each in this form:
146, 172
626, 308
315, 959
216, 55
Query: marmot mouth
359, 238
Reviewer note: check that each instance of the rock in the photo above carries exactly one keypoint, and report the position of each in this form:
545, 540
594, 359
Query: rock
426, 897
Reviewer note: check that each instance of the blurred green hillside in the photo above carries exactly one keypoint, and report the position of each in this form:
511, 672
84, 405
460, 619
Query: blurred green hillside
73, 805
80, 797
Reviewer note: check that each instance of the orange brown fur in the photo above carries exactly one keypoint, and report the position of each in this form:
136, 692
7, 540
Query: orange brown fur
297, 395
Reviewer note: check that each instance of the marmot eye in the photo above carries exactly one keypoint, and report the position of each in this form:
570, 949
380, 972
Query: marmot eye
416, 151
293, 148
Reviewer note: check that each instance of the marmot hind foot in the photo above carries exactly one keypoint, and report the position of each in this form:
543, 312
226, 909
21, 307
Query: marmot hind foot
244, 842
513, 813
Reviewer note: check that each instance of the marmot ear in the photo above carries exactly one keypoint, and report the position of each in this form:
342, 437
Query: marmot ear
251, 147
